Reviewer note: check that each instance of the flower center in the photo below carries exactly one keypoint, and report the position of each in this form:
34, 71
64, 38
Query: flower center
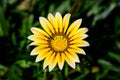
59, 43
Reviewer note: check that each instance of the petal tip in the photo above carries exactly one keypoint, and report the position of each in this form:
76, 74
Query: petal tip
49, 13
86, 29
57, 14
32, 28
32, 54
29, 37
84, 53
60, 67
50, 69
69, 14
78, 61
44, 67
80, 20
37, 60
30, 44
73, 67
41, 18
88, 44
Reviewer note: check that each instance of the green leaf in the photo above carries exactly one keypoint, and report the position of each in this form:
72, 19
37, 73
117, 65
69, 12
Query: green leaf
1, 31
15, 73
81, 77
117, 26
23, 64
66, 70
11, 1
78, 68
59, 76
3, 23
64, 6
3, 4
108, 65
115, 56
3, 70
14, 39
104, 14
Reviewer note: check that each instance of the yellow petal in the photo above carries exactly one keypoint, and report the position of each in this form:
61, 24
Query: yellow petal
69, 61
66, 19
60, 60
76, 40
52, 61
53, 21
42, 54
46, 62
46, 25
74, 27
58, 18
79, 50
39, 32
82, 31
72, 52
72, 55
37, 38
80, 36
41, 57
38, 43
37, 50
82, 43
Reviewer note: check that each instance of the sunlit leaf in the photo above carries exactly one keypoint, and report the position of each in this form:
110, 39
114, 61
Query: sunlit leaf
108, 65
115, 56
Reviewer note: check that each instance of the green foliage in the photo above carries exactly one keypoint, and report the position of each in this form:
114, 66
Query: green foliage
102, 17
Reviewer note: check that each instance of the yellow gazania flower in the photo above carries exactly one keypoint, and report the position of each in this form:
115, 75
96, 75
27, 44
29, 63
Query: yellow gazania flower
58, 43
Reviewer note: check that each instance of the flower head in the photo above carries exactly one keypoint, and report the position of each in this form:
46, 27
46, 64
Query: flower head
56, 42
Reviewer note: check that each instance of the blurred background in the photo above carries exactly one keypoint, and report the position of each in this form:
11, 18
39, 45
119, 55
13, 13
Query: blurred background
101, 17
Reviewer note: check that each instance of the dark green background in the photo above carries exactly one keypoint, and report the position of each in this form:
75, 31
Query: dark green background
101, 17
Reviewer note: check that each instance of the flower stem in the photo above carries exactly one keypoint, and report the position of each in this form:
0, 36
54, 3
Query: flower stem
45, 74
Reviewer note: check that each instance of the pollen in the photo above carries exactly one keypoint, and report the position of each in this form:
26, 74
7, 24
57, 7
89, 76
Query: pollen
59, 43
